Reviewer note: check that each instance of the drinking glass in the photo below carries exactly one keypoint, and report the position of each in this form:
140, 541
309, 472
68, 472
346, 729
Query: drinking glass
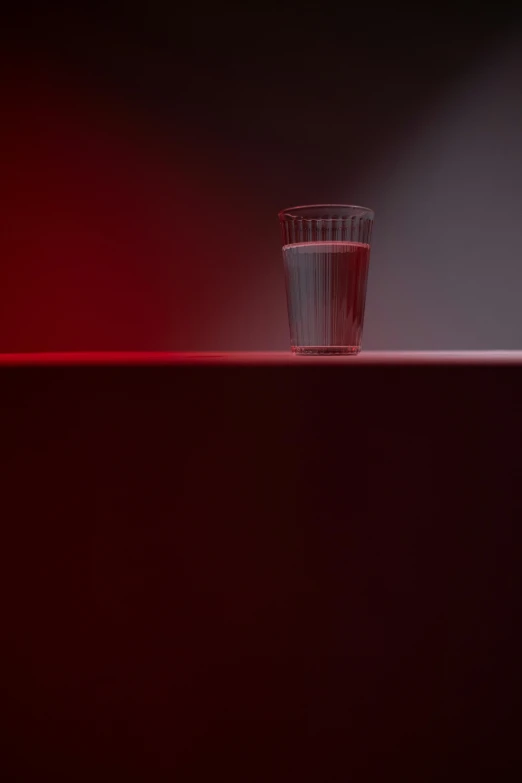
326, 252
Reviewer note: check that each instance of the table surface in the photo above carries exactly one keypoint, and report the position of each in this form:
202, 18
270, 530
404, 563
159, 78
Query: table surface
209, 562
260, 358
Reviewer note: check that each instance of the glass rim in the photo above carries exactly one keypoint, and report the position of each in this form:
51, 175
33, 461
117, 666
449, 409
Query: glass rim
286, 213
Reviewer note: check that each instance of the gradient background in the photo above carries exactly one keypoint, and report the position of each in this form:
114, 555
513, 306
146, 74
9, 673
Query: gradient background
252, 573
146, 151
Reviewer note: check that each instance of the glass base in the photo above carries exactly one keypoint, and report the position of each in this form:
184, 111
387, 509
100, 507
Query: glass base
326, 350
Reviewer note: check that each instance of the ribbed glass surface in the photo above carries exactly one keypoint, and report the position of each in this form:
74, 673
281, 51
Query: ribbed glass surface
326, 289
337, 228
326, 251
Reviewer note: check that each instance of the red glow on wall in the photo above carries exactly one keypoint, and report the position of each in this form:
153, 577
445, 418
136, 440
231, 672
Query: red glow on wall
117, 236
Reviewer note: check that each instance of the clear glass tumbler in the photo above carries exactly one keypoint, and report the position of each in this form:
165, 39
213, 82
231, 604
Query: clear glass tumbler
326, 252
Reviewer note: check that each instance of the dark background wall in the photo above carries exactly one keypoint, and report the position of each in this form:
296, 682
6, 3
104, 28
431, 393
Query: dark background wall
145, 153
